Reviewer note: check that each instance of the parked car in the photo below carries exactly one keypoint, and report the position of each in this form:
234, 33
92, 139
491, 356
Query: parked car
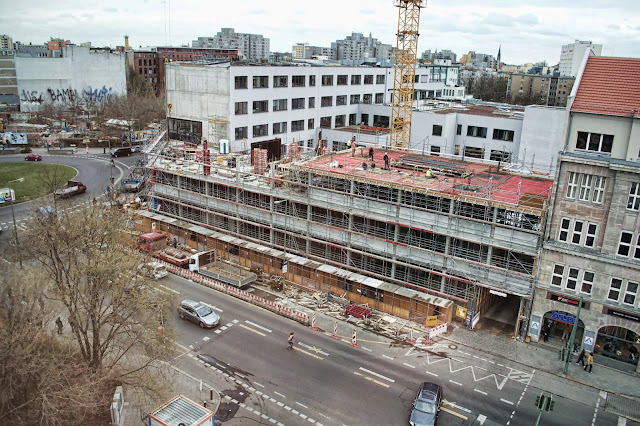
198, 313
33, 157
136, 148
426, 405
121, 152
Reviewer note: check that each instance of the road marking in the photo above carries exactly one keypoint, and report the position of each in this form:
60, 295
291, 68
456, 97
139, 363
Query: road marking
304, 416
278, 393
258, 384
259, 326
286, 407
378, 375
218, 331
206, 338
479, 391
211, 306
508, 402
308, 353
409, 365
371, 379
481, 418
433, 374
455, 383
313, 348
221, 366
454, 413
388, 357
279, 404
296, 412
365, 349
251, 329
302, 405
325, 416
169, 289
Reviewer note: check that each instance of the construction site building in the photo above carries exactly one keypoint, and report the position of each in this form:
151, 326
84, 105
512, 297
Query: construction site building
410, 234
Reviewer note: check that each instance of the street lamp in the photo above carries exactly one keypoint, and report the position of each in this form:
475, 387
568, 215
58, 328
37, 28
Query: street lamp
284, 262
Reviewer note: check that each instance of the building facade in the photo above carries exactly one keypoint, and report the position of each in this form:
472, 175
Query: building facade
79, 73
428, 56
592, 246
6, 42
291, 102
253, 47
304, 51
9, 95
357, 47
571, 56
539, 89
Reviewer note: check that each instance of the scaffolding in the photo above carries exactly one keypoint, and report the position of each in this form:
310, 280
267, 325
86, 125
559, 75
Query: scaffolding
217, 131
431, 235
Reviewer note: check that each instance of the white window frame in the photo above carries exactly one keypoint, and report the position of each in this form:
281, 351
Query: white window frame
577, 232
562, 229
590, 234
599, 184
554, 274
618, 289
625, 244
572, 185
585, 188
574, 280
587, 282
633, 202
630, 293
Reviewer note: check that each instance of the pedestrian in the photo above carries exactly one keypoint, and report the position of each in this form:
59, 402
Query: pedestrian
371, 153
290, 341
566, 330
175, 243
72, 325
580, 359
589, 365
386, 161
59, 325
545, 332
353, 147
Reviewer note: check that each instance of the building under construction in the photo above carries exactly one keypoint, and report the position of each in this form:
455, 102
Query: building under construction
409, 234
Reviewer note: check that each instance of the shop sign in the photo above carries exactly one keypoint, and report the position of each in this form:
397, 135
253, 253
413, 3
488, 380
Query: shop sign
567, 300
623, 315
562, 317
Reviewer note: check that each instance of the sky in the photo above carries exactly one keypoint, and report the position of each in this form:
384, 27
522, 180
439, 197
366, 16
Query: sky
528, 31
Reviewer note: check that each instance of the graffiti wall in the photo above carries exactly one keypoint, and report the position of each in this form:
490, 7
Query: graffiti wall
13, 138
80, 77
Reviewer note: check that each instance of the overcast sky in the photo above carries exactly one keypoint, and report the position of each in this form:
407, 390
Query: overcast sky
529, 31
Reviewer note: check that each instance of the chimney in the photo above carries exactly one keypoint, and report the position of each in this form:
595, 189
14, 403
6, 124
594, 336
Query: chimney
126, 42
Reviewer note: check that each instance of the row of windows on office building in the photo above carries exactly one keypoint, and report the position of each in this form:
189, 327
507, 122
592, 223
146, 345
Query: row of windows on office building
242, 108
296, 126
259, 82
478, 132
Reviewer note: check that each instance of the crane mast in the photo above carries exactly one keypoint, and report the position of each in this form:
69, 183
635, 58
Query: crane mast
405, 71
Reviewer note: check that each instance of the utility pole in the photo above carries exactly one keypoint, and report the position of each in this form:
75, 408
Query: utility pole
572, 337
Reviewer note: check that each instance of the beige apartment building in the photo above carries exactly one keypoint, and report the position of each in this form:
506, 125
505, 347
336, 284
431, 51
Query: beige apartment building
539, 89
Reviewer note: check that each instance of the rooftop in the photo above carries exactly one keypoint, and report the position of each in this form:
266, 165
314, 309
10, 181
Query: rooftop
609, 86
464, 179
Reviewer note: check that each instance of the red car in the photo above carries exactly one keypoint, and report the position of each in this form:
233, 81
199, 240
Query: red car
33, 157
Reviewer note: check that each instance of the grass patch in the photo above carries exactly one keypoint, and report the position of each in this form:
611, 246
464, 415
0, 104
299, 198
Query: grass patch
40, 179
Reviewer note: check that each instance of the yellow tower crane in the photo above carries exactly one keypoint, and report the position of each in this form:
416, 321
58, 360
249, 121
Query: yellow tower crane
405, 71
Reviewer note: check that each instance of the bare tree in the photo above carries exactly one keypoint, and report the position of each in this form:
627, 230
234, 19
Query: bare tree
137, 110
114, 310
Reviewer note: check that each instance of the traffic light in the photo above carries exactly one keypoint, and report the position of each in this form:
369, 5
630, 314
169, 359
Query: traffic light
550, 403
538, 400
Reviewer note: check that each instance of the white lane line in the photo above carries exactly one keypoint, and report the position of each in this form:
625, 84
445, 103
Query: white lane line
221, 366
433, 374
409, 365
304, 416
378, 375
455, 383
218, 331
279, 404
258, 384
500, 365
476, 356
365, 349
479, 391
278, 393
259, 326
296, 412
286, 407
312, 348
325, 416
206, 338
388, 357
170, 289
506, 401
302, 405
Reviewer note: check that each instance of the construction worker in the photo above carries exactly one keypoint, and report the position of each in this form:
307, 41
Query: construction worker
386, 161
371, 153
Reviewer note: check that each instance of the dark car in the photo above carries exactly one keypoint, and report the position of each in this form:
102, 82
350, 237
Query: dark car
426, 405
198, 313
33, 157
121, 152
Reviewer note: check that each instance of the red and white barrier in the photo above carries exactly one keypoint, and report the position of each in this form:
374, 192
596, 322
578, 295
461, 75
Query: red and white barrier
436, 331
335, 331
354, 341
313, 322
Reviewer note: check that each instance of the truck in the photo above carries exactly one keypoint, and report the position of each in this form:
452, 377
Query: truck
73, 187
156, 244
206, 263
131, 185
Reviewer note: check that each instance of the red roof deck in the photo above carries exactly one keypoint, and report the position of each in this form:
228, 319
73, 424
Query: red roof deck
449, 176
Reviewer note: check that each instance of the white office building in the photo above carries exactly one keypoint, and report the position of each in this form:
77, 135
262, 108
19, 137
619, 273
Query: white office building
572, 54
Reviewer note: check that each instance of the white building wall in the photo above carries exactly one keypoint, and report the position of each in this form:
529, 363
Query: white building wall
542, 131
571, 56
81, 72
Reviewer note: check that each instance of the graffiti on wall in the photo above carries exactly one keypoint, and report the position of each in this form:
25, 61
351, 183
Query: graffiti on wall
67, 95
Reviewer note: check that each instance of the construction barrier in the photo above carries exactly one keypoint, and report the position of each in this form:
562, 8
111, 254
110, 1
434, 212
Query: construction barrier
435, 331
335, 330
354, 342
238, 293
313, 322
411, 340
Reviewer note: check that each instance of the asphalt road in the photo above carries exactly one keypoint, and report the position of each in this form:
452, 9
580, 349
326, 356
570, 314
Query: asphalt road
330, 382
94, 170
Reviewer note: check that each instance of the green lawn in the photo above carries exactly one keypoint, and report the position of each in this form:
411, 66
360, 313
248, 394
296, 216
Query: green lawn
39, 178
